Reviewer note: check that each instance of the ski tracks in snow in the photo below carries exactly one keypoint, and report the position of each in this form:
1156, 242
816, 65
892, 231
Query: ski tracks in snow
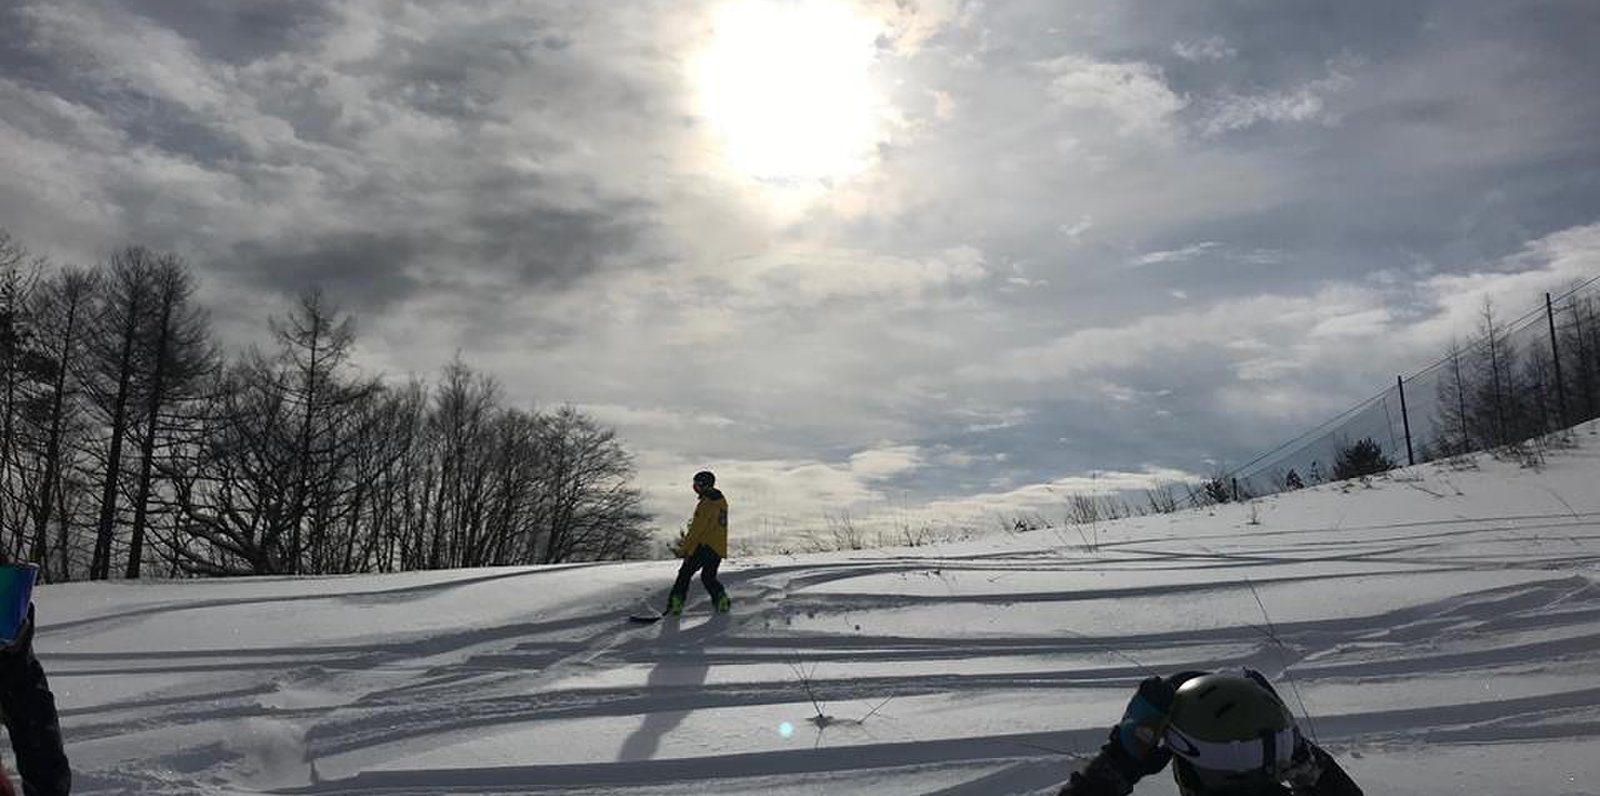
887, 646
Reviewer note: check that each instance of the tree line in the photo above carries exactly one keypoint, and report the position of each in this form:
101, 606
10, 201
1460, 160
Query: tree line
1508, 386
132, 444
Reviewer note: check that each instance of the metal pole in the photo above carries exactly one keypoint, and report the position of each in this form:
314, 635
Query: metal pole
1405, 419
1555, 356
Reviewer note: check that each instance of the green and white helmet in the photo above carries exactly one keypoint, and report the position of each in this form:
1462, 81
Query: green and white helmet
1230, 732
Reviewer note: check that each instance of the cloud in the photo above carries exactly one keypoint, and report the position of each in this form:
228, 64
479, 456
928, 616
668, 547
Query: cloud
1272, 338
884, 462
1124, 394
1076, 229
975, 421
408, 153
1050, 499
1175, 255
1135, 94
802, 278
777, 496
1454, 303
1214, 48
911, 25
628, 418
1229, 112
982, 309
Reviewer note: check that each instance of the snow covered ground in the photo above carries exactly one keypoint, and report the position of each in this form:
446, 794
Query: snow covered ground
1441, 627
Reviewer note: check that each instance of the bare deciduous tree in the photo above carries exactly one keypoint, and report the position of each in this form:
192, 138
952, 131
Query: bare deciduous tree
61, 313
179, 355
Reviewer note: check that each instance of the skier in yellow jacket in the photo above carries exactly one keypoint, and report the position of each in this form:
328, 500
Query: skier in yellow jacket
704, 546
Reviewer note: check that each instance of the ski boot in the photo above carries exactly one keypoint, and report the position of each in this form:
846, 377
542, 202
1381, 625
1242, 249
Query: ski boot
674, 606
724, 604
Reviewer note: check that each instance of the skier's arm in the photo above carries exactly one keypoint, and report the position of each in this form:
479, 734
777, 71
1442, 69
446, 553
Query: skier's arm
705, 517
1104, 776
1134, 749
31, 720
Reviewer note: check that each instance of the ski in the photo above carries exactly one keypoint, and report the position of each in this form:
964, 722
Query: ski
651, 617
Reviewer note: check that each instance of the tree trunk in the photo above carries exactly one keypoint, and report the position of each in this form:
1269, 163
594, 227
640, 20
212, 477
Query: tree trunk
52, 455
100, 565
148, 445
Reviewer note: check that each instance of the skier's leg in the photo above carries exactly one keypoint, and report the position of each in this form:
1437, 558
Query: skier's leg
680, 588
708, 576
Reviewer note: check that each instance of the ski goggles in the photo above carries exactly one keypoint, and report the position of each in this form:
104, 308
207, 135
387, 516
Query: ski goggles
16, 593
1267, 755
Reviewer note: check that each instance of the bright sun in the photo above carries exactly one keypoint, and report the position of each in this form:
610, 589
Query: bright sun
786, 87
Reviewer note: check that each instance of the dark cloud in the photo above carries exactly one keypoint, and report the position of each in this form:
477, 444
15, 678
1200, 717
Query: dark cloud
552, 248
144, 118
238, 32
364, 272
406, 205
19, 59
516, 249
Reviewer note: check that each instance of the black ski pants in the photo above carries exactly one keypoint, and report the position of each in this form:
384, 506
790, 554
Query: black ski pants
705, 561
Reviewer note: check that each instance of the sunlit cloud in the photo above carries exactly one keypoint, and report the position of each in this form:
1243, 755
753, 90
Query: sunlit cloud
1135, 94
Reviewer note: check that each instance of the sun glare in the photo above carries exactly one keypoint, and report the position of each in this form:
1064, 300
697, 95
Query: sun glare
786, 87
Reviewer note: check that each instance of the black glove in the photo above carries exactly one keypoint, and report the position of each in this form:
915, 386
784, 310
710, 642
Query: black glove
1136, 740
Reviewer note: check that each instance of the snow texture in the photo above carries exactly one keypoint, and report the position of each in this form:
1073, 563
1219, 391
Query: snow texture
1438, 629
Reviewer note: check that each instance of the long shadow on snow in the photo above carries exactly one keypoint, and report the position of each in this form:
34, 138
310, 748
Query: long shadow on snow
379, 595
1454, 722
685, 672
1397, 628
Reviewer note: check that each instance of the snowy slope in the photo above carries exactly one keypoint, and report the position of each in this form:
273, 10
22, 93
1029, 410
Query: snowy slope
1441, 627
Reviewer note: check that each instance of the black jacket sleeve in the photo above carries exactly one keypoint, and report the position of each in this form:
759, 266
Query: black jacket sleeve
1111, 772
30, 718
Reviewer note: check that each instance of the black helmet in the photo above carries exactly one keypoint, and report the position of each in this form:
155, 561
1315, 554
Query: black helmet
705, 479
1230, 732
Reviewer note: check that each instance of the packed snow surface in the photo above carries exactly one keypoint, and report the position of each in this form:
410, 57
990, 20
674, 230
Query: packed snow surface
1438, 630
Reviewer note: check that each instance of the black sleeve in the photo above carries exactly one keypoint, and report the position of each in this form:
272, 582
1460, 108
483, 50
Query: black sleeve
1331, 781
31, 721
1110, 773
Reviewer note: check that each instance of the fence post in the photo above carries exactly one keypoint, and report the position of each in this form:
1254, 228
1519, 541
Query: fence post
1405, 419
1555, 356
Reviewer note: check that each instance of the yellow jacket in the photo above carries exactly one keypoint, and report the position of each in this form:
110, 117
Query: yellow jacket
709, 526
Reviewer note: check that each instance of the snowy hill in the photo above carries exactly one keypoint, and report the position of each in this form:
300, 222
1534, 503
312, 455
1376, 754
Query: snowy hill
1441, 626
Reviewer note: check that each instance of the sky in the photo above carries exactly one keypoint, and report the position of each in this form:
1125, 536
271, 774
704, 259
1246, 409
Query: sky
869, 260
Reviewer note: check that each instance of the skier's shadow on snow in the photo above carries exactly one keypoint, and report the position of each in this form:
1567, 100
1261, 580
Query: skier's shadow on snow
684, 668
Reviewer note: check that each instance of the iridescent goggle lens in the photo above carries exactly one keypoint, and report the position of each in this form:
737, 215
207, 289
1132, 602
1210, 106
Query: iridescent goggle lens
16, 592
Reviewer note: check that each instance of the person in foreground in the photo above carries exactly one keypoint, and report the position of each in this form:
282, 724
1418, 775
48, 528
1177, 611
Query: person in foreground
26, 704
1224, 734
704, 546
